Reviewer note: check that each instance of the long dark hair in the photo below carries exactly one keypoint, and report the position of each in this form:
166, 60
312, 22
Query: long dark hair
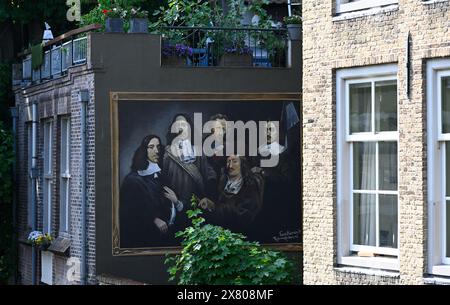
140, 160
170, 136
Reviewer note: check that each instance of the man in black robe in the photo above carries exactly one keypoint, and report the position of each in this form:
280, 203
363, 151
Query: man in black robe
147, 208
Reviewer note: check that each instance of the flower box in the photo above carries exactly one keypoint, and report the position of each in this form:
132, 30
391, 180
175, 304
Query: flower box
236, 60
40, 240
114, 25
138, 25
174, 61
294, 31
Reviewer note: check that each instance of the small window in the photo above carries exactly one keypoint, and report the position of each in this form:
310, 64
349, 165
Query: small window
29, 174
48, 176
64, 195
343, 6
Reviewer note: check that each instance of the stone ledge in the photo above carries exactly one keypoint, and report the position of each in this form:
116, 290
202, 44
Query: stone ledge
433, 1
368, 272
106, 279
435, 280
365, 13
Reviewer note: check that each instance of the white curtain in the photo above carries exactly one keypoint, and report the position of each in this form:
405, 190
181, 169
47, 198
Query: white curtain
367, 201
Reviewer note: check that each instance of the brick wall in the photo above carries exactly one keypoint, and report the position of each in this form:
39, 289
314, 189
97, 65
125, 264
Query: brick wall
374, 37
57, 98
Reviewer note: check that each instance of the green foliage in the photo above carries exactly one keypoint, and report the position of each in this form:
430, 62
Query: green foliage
24, 11
294, 19
6, 96
7, 249
214, 255
132, 8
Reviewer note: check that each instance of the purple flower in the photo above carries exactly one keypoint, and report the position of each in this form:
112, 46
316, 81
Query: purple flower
179, 50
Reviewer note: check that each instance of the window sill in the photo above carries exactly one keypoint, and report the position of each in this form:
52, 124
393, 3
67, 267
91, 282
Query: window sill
443, 270
381, 263
366, 12
432, 280
368, 272
426, 2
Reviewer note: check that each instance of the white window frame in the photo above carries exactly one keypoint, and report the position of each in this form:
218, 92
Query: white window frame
64, 199
344, 78
47, 176
29, 129
438, 264
361, 5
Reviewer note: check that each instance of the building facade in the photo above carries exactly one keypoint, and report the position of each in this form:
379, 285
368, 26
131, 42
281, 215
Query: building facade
65, 144
375, 117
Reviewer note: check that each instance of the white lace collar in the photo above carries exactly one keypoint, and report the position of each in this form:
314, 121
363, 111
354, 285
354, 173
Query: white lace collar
152, 169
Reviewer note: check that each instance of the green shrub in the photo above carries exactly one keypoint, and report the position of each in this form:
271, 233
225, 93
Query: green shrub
294, 19
7, 249
213, 255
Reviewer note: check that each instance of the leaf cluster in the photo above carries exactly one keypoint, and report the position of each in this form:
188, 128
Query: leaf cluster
213, 255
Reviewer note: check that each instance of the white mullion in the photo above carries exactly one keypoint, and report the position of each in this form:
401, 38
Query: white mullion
385, 136
444, 224
377, 208
351, 195
439, 106
372, 101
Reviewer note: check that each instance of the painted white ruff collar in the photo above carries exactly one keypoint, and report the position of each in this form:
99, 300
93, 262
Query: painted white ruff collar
152, 169
233, 186
273, 148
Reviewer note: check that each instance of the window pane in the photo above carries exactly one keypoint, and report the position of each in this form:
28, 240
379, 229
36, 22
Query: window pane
447, 232
388, 220
447, 169
360, 107
386, 105
364, 166
387, 164
63, 207
445, 95
364, 226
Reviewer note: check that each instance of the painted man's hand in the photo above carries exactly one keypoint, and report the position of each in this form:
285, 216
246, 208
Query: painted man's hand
170, 194
161, 224
206, 204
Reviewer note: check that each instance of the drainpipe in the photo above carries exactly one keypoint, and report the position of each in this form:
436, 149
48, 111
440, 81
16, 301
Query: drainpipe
33, 174
14, 116
83, 97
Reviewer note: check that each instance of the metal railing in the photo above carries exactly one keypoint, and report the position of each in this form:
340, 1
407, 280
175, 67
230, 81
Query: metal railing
57, 60
237, 47
60, 54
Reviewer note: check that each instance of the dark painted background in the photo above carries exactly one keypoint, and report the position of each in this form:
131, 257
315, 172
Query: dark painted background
131, 63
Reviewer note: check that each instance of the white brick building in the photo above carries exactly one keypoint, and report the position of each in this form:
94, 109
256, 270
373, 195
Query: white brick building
375, 100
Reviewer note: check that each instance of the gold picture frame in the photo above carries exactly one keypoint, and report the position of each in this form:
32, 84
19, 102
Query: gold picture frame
116, 97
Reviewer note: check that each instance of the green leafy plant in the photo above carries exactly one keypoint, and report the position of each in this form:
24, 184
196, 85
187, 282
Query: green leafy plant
213, 255
294, 19
138, 13
7, 247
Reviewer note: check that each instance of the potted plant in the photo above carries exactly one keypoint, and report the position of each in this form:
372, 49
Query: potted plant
294, 25
237, 56
175, 55
40, 240
138, 21
114, 20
